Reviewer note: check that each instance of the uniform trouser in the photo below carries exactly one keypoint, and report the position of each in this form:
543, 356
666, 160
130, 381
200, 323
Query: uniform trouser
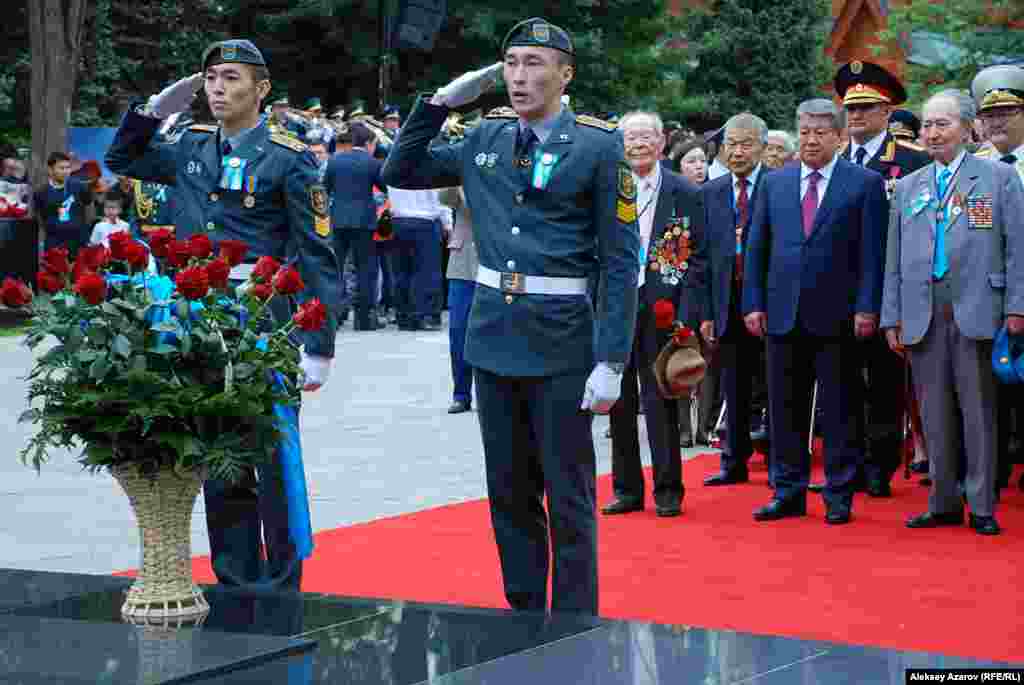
236, 513
884, 391
537, 442
952, 371
794, 361
417, 268
359, 242
460, 299
387, 278
741, 358
661, 416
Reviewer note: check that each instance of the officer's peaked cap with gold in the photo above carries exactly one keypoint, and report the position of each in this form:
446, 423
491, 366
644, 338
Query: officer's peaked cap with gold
236, 50
538, 32
999, 86
866, 83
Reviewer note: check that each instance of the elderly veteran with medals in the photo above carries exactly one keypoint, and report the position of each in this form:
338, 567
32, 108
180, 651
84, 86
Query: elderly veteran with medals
953, 277
241, 181
554, 203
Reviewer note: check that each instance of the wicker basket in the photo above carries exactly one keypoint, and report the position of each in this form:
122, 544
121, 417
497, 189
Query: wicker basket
162, 503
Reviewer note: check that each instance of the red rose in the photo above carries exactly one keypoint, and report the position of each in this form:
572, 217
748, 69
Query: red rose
49, 282
92, 258
137, 256
233, 251
311, 315
681, 335
262, 291
193, 282
664, 314
200, 245
218, 272
178, 253
287, 281
14, 293
55, 260
91, 286
159, 239
265, 269
119, 242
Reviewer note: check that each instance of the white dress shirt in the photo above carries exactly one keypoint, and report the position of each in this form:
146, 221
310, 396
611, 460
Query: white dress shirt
415, 204
826, 176
717, 169
647, 191
872, 147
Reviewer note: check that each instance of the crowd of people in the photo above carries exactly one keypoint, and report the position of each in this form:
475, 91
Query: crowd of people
846, 279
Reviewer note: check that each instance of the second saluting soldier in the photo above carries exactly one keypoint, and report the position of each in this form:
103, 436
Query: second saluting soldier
554, 203
241, 181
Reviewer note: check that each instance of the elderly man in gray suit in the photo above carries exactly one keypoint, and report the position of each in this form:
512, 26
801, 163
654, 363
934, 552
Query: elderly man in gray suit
954, 274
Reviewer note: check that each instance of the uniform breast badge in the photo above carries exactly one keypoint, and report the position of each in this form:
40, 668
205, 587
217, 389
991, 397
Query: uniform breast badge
625, 201
670, 253
890, 183
318, 201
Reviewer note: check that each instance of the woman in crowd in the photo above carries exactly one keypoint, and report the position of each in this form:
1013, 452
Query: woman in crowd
692, 160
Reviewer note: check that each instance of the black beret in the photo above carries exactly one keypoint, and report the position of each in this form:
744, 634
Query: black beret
538, 32
232, 51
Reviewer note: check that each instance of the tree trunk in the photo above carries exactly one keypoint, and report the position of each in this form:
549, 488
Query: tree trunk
55, 33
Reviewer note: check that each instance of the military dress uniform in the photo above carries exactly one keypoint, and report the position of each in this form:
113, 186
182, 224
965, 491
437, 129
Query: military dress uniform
548, 214
263, 191
884, 373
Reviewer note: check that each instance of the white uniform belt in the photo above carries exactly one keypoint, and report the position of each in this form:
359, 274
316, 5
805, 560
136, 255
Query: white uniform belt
524, 284
241, 272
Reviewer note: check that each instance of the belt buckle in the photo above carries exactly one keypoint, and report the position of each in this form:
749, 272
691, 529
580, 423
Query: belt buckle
512, 282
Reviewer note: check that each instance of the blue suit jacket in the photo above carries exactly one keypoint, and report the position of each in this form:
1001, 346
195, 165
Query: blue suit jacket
717, 247
831, 275
350, 178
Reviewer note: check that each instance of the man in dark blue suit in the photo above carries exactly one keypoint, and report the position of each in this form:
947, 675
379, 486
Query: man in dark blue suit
812, 281
728, 201
350, 179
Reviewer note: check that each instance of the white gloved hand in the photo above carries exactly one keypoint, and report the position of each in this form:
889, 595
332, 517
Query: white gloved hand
313, 371
602, 390
176, 97
468, 87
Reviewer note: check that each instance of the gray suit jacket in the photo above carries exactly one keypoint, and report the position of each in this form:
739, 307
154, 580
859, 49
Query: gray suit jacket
462, 261
985, 263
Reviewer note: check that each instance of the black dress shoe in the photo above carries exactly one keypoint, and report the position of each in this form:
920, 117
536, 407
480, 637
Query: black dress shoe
816, 487
686, 442
458, 407
727, 478
930, 520
622, 506
920, 467
879, 489
780, 509
668, 509
837, 515
927, 482
985, 525
1020, 483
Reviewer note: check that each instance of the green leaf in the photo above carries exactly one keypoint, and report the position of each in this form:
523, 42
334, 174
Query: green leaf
139, 363
99, 369
87, 356
243, 371
122, 346
109, 308
163, 348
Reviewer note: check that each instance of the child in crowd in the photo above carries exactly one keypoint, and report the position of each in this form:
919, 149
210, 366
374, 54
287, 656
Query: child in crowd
111, 223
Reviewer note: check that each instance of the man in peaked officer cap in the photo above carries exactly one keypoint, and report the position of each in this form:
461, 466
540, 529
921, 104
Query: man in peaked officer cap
392, 118
543, 364
905, 125
869, 92
240, 180
999, 95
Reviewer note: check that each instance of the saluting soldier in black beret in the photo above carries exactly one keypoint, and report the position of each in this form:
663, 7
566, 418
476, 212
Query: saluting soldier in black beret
239, 180
554, 203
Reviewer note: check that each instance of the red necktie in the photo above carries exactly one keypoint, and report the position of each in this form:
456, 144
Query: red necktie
742, 215
810, 203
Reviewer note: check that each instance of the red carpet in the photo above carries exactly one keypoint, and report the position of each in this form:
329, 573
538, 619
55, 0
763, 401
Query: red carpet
872, 582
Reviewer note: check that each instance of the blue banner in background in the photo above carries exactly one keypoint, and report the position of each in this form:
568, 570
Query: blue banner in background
88, 143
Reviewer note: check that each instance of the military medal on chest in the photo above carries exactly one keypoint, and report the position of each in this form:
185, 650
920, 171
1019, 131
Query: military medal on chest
670, 253
890, 183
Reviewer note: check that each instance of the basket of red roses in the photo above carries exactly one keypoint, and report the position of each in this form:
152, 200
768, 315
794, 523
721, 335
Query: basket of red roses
162, 376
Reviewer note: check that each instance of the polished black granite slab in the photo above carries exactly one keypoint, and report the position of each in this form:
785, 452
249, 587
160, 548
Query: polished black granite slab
19, 587
37, 650
389, 642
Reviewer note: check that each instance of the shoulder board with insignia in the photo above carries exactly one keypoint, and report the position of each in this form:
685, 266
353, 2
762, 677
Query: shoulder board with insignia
203, 128
288, 142
502, 113
910, 145
594, 122
890, 150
